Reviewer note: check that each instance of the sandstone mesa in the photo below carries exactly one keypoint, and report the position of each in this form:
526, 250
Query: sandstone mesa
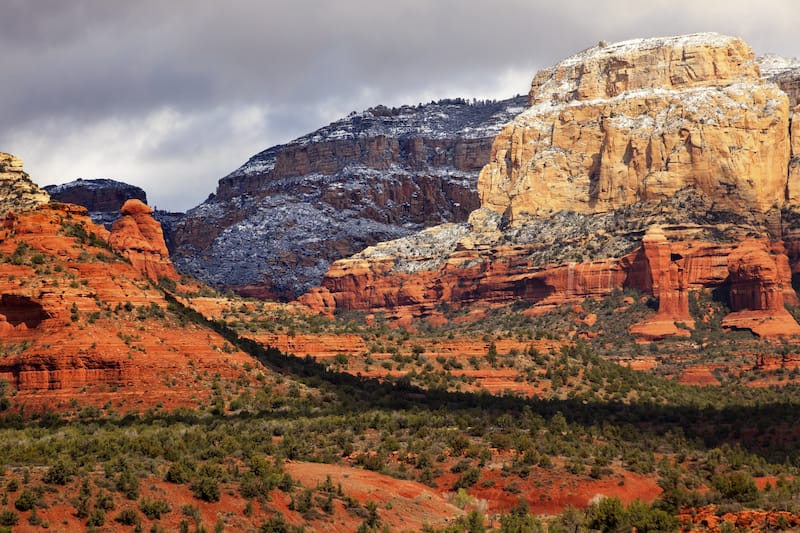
667, 163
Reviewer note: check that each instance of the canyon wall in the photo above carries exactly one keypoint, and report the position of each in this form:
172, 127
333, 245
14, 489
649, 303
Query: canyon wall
274, 225
660, 165
640, 120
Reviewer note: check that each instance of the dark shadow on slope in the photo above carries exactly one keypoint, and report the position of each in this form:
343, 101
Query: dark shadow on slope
763, 429
22, 310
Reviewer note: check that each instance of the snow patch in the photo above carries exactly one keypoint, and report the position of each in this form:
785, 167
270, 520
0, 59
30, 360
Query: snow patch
603, 50
773, 65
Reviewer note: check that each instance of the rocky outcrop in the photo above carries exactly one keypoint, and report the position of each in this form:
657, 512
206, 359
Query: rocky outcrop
274, 225
105, 197
669, 282
646, 164
758, 281
96, 195
755, 275
138, 237
412, 277
75, 317
638, 121
668, 266
17, 191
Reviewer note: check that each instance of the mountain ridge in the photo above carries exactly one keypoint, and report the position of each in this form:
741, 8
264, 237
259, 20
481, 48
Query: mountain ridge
273, 225
572, 171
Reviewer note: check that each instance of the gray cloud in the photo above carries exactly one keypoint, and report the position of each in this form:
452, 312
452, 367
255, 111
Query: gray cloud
173, 95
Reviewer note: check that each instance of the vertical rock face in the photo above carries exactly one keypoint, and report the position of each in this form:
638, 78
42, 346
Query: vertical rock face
137, 236
755, 272
96, 195
786, 74
645, 164
793, 186
274, 225
669, 283
638, 121
757, 286
754, 280
17, 191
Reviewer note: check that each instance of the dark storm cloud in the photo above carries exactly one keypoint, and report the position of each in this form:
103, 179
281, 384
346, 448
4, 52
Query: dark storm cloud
168, 93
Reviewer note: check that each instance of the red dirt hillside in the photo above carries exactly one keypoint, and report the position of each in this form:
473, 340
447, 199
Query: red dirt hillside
81, 323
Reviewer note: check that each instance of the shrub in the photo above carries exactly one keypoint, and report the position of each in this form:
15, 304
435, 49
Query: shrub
739, 487
96, 518
8, 517
467, 479
128, 517
58, 474
104, 501
520, 523
153, 509
274, 524
26, 501
206, 488
128, 484
606, 515
178, 473
642, 517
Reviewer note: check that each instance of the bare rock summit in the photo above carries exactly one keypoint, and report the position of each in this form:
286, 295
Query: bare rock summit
663, 165
640, 120
17, 191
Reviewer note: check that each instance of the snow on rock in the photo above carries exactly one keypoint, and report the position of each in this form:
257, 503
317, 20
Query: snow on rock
774, 65
274, 225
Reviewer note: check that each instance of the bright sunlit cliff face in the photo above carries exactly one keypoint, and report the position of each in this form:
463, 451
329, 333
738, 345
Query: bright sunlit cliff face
174, 109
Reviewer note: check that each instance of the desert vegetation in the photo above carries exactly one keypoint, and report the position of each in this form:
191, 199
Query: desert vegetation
507, 420
729, 447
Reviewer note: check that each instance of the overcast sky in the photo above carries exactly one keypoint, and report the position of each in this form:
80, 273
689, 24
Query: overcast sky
173, 95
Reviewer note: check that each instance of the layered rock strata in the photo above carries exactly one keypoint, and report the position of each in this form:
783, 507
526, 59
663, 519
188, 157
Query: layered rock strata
139, 238
274, 225
17, 191
76, 317
638, 121
647, 164
670, 264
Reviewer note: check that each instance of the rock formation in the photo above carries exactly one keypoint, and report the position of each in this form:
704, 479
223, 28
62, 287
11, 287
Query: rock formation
650, 164
139, 238
640, 120
275, 224
758, 282
669, 282
105, 197
17, 191
96, 195
75, 317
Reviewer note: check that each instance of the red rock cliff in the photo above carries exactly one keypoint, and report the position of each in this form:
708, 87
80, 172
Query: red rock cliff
621, 139
75, 317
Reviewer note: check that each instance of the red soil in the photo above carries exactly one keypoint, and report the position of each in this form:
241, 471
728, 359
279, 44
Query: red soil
80, 326
700, 375
409, 503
